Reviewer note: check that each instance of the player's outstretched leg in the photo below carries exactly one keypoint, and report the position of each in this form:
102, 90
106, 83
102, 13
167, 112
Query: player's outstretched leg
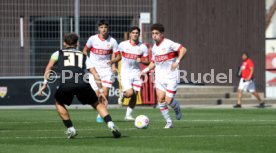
99, 118
176, 107
71, 132
64, 115
130, 108
165, 112
108, 120
115, 131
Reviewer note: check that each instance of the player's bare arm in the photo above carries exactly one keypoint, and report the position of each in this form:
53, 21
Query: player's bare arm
100, 94
48, 69
181, 54
145, 60
85, 50
113, 67
112, 62
116, 58
96, 76
150, 67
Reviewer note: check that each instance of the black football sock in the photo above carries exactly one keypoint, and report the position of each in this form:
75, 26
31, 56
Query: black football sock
107, 118
68, 123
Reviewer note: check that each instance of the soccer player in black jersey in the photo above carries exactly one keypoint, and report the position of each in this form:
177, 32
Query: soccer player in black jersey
72, 62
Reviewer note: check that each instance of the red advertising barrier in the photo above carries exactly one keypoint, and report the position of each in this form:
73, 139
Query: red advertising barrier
147, 91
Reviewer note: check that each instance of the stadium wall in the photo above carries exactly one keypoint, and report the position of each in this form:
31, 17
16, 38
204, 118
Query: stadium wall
216, 32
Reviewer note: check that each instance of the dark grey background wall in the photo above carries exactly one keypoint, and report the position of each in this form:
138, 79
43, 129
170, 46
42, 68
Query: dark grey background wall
216, 32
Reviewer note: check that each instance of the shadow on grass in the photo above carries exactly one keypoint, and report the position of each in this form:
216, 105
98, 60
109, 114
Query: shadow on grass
100, 137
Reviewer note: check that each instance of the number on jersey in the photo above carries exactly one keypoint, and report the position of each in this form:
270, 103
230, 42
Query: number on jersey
70, 61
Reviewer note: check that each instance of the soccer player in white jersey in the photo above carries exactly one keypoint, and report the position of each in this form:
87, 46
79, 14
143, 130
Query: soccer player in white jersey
132, 52
166, 56
101, 47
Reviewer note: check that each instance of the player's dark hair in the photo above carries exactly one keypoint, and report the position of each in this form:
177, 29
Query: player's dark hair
71, 39
246, 53
158, 26
134, 28
103, 22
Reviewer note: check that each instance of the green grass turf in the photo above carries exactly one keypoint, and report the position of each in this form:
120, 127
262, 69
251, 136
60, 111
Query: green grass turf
200, 131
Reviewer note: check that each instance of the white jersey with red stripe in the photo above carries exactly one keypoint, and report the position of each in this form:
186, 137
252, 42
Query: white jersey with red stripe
101, 50
129, 54
164, 55
130, 68
100, 55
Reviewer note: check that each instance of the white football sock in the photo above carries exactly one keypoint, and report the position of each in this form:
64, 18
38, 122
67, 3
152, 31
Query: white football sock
72, 128
165, 112
129, 111
110, 124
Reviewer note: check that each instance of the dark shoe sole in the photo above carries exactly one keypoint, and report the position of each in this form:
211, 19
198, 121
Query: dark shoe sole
116, 134
237, 106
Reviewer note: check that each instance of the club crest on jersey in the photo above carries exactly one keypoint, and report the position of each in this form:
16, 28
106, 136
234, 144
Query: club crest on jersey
139, 51
108, 46
163, 50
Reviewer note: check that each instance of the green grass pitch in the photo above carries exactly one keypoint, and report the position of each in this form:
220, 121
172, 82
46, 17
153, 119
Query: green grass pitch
200, 131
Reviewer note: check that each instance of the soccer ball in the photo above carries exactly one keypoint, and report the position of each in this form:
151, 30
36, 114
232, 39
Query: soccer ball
141, 122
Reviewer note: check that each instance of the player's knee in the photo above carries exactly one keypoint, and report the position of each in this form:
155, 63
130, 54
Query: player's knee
95, 105
161, 99
169, 99
128, 93
240, 91
106, 92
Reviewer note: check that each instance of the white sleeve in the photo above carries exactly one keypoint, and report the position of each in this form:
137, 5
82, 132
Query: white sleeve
89, 63
175, 46
89, 43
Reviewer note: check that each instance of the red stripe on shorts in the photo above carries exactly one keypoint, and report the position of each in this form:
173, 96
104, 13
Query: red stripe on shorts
170, 91
106, 82
135, 85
